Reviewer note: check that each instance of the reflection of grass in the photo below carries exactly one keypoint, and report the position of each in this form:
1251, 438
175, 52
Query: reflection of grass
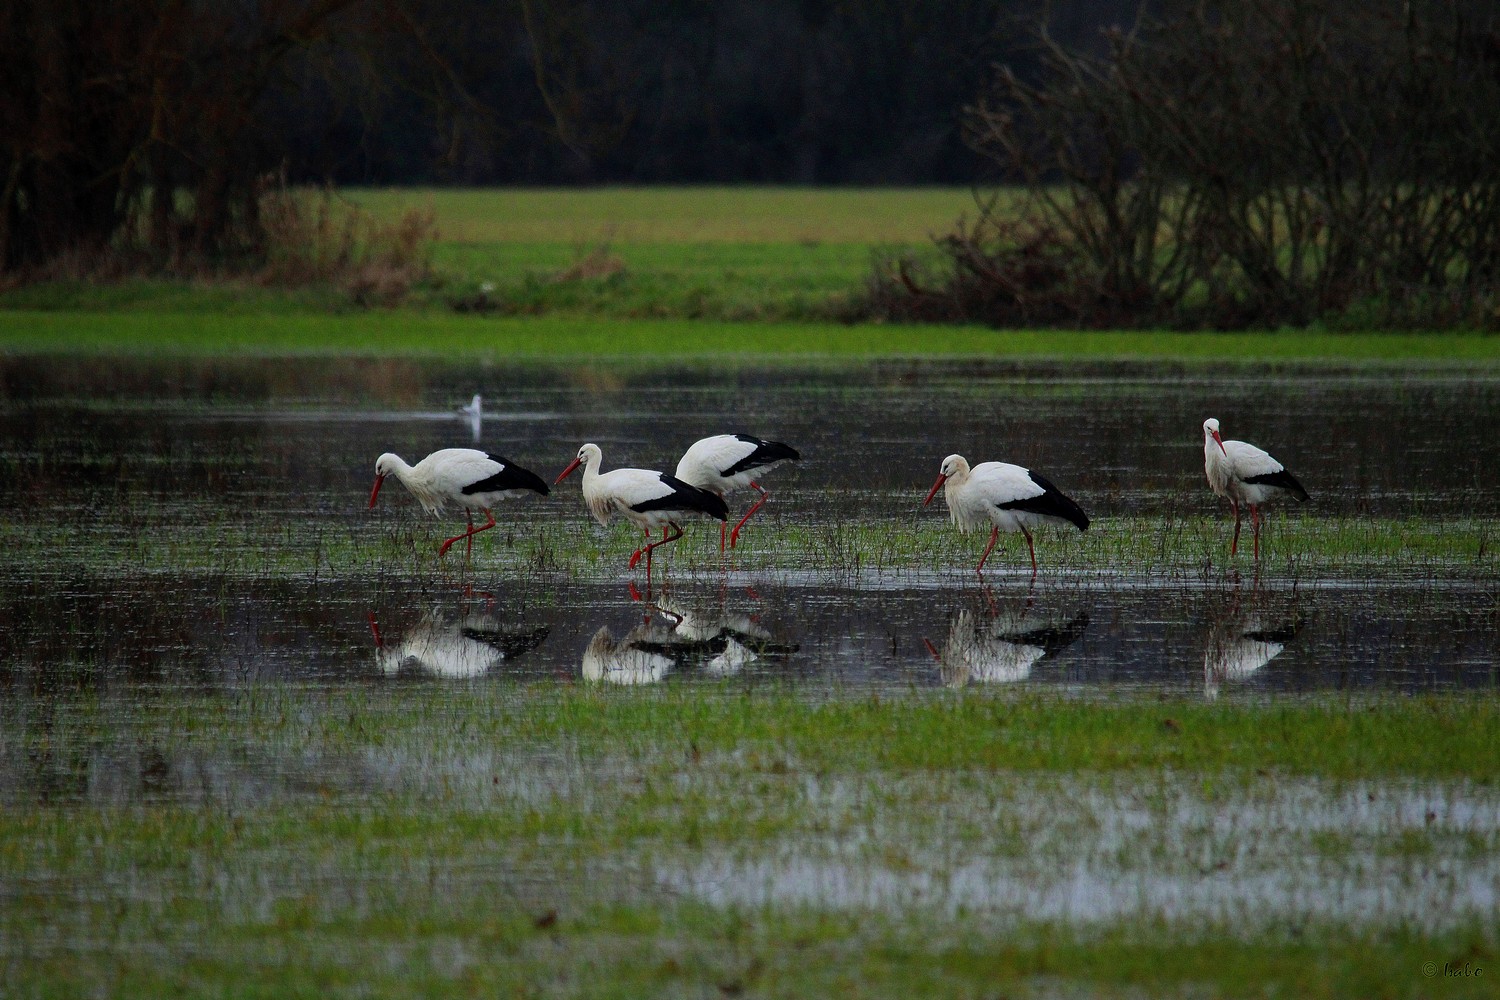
403, 839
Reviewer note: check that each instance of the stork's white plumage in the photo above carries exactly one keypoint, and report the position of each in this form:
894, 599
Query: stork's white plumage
474, 480
726, 462
1005, 496
645, 497
635, 659
1244, 474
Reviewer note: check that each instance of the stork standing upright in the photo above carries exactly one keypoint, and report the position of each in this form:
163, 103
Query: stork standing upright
1006, 496
1244, 474
645, 497
729, 461
474, 480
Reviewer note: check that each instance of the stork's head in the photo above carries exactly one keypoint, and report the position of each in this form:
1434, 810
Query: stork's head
953, 465
1211, 432
588, 454
384, 466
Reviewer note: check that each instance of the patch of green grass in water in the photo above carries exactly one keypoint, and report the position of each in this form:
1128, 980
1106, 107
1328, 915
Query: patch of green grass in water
1296, 545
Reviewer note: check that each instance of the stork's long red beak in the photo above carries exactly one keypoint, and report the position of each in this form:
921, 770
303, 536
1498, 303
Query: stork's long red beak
379, 478
1219, 441
935, 487
564, 474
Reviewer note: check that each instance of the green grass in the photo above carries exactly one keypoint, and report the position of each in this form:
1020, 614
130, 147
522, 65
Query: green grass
551, 543
494, 838
683, 215
437, 334
720, 253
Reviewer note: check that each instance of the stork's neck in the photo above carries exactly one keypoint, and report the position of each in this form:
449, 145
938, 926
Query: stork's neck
404, 472
591, 466
417, 481
957, 481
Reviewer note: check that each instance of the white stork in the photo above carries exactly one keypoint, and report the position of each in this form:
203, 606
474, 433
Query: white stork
647, 498
1243, 474
474, 480
729, 461
1006, 496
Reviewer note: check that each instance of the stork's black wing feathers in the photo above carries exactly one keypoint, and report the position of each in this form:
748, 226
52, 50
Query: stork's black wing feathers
1282, 480
765, 453
1051, 502
685, 497
510, 477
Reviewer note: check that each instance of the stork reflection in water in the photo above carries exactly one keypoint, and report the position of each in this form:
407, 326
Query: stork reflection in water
1000, 647
471, 645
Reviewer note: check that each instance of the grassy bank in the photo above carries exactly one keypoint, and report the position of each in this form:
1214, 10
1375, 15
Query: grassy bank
574, 842
451, 336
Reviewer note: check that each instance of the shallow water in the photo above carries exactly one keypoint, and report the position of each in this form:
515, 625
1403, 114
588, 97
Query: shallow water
140, 453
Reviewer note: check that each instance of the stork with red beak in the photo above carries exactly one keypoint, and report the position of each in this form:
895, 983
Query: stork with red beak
645, 497
1007, 497
728, 461
474, 480
1244, 474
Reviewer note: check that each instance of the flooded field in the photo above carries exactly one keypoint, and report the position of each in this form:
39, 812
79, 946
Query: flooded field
205, 523
238, 706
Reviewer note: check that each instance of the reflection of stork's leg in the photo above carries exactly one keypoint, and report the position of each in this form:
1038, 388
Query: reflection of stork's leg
735, 534
994, 536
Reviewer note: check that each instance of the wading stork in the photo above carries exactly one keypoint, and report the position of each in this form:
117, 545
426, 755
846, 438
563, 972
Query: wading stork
1007, 497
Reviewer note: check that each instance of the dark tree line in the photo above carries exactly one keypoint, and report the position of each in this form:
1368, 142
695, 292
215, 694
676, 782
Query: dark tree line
151, 127
1245, 163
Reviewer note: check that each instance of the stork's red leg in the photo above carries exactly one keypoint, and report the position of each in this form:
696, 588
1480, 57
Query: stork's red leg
470, 533
1234, 543
635, 557
1030, 548
994, 536
764, 496
1255, 527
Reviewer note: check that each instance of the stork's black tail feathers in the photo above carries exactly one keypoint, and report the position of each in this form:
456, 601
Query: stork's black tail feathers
766, 454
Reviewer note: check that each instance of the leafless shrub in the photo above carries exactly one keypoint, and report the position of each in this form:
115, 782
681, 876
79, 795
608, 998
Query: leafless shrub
1255, 163
317, 239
